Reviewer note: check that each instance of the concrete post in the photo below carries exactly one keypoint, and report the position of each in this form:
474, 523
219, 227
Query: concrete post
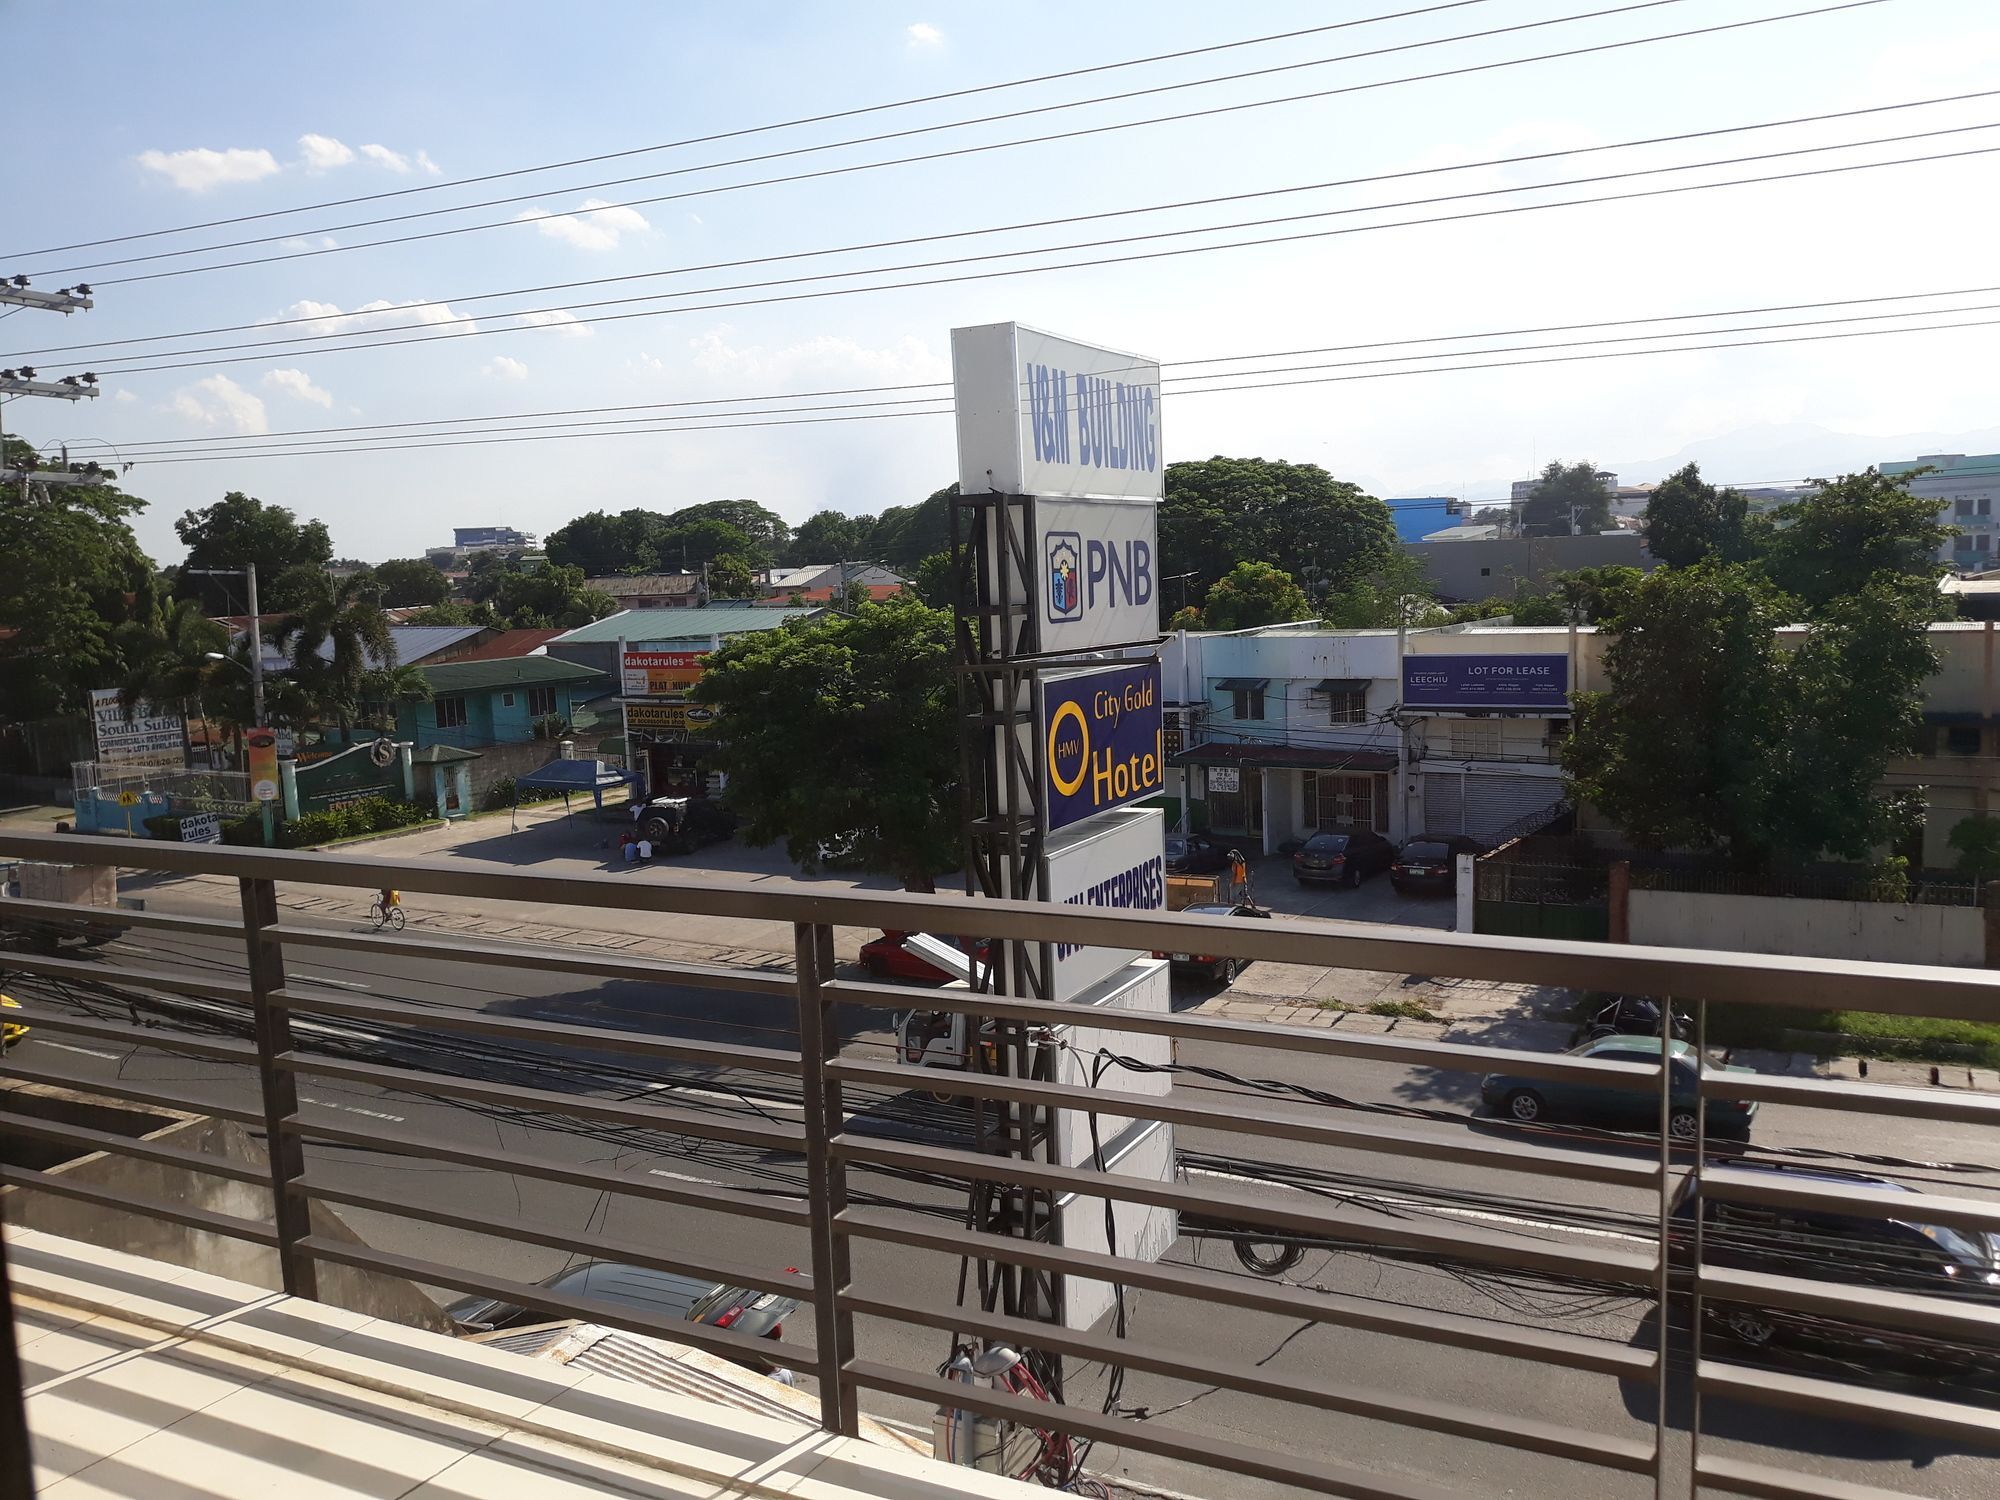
1989, 911
288, 786
1621, 903
404, 754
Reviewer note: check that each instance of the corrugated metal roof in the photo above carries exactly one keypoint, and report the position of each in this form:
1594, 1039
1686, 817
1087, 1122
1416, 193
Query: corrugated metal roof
476, 676
647, 626
506, 643
415, 643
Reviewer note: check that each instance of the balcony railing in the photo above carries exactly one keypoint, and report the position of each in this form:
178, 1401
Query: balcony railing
1345, 1172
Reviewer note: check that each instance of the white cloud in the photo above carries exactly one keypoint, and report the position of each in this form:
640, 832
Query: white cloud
923, 34
219, 401
322, 153
647, 364
395, 161
123, 395
558, 321
298, 383
503, 368
200, 169
326, 317
598, 230
425, 164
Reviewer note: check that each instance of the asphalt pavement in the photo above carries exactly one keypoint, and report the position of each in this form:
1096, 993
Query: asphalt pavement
1367, 1185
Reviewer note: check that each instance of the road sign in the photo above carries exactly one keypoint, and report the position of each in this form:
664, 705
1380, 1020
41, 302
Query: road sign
128, 799
201, 828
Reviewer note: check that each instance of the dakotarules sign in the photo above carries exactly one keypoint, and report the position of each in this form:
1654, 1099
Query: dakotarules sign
1487, 684
659, 674
1044, 415
1103, 739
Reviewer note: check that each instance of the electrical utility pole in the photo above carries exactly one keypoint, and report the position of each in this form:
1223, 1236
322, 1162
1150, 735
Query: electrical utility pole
248, 573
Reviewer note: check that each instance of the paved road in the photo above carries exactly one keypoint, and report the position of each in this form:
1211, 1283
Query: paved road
1530, 1203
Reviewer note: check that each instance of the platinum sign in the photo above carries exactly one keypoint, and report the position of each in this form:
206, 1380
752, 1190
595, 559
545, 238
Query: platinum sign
1043, 415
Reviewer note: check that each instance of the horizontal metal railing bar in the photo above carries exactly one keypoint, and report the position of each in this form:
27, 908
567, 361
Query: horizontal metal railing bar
724, 1341
111, 1143
152, 979
1689, 974
1318, 1475
1864, 1098
1245, 1118
415, 1144
581, 1106
12, 911
222, 1049
1942, 1317
1870, 1406
568, 1034
1291, 1386
1762, 1482
543, 957
1456, 1056
1282, 1298
1461, 1242
131, 1093
1856, 1200
600, 1246
253, 1230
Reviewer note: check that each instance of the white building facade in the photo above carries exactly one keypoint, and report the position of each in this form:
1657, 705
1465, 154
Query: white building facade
1967, 491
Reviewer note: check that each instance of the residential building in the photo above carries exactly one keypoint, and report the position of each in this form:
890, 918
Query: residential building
1967, 491
505, 643
651, 590
822, 583
503, 702
1465, 569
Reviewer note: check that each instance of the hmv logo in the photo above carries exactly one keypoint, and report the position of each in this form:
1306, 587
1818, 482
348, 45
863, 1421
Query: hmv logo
1087, 576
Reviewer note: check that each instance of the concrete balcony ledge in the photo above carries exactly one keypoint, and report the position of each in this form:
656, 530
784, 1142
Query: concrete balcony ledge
147, 1381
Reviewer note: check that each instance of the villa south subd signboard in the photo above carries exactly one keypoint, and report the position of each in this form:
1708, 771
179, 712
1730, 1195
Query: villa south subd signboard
1103, 740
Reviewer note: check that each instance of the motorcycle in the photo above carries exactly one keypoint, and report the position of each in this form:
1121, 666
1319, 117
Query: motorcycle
1632, 1015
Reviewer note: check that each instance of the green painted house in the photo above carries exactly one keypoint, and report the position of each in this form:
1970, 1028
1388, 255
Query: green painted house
478, 703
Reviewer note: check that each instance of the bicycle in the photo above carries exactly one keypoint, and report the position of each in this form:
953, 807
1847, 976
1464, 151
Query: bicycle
390, 916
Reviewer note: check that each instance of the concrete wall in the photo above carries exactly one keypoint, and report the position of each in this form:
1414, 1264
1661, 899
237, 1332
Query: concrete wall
1877, 931
1469, 570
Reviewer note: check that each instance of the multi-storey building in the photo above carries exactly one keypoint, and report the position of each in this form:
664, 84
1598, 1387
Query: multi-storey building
1967, 491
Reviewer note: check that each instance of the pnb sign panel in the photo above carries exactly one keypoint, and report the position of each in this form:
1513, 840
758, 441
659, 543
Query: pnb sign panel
1097, 573
1102, 739
1043, 415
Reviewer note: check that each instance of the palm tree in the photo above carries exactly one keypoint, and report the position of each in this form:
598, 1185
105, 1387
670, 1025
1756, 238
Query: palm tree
165, 652
344, 617
384, 690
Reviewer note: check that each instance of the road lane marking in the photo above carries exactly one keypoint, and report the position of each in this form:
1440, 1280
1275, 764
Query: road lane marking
80, 1051
1365, 1200
354, 1109
754, 1103
341, 984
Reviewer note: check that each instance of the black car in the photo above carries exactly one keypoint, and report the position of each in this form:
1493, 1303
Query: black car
1856, 1250
1221, 970
681, 825
1195, 854
660, 1295
1342, 856
1429, 863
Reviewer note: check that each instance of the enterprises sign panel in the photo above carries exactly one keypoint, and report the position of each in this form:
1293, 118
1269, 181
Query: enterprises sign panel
659, 674
1102, 739
1116, 864
1487, 684
149, 737
1044, 415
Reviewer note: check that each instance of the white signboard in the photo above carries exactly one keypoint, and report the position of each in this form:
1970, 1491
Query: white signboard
150, 737
201, 828
1225, 779
1042, 415
1097, 573
1115, 860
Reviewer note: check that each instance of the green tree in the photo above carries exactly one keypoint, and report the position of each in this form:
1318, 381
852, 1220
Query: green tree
408, 581
829, 536
453, 612
905, 535
387, 688
1851, 531
730, 577
1297, 517
1568, 500
844, 728
686, 545
1688, 519
73, 571
934, 582
1397, 593
600, 543
549, 597
1253, 593
238, 530
335, 639
166, 655
1977, 840
766, 533
1588, 596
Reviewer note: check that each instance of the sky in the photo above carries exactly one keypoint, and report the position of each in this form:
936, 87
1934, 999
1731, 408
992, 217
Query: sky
200, 113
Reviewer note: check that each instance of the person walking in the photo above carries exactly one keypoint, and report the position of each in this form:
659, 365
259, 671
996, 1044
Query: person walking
1239, 876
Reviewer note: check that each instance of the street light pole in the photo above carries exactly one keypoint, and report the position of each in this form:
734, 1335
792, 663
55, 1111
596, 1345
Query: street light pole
256, 652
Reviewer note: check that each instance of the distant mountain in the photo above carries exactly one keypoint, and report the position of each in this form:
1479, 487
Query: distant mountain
1798, 450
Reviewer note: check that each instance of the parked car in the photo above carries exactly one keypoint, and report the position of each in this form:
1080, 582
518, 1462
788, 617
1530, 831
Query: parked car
1896, 1254
1195, 854
1530, 1101
1429, 863
662, 1295
1221, 970
681, 825
1342, 856
888, 957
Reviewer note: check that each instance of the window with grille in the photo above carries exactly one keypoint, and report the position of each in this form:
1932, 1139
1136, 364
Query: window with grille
541, 702
1475, 737
1246, 703
1335, 801
451, 712
1347, 708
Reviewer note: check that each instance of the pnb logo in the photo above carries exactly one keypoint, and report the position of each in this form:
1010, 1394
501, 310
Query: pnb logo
1064, 576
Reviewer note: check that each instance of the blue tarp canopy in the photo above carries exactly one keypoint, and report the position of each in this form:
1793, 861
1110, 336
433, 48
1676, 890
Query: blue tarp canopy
567, 776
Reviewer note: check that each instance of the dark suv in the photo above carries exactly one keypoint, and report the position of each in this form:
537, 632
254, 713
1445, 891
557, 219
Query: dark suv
681, 825
1341, 856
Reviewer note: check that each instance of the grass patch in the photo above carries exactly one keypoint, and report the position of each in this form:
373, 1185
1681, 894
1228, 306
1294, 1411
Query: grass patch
1402, 1010
1859, 1033
1340, 1005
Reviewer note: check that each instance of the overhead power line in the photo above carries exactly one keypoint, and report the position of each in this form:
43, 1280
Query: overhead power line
748, 130
489, 436
942, 155
1501, 161
296, 349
